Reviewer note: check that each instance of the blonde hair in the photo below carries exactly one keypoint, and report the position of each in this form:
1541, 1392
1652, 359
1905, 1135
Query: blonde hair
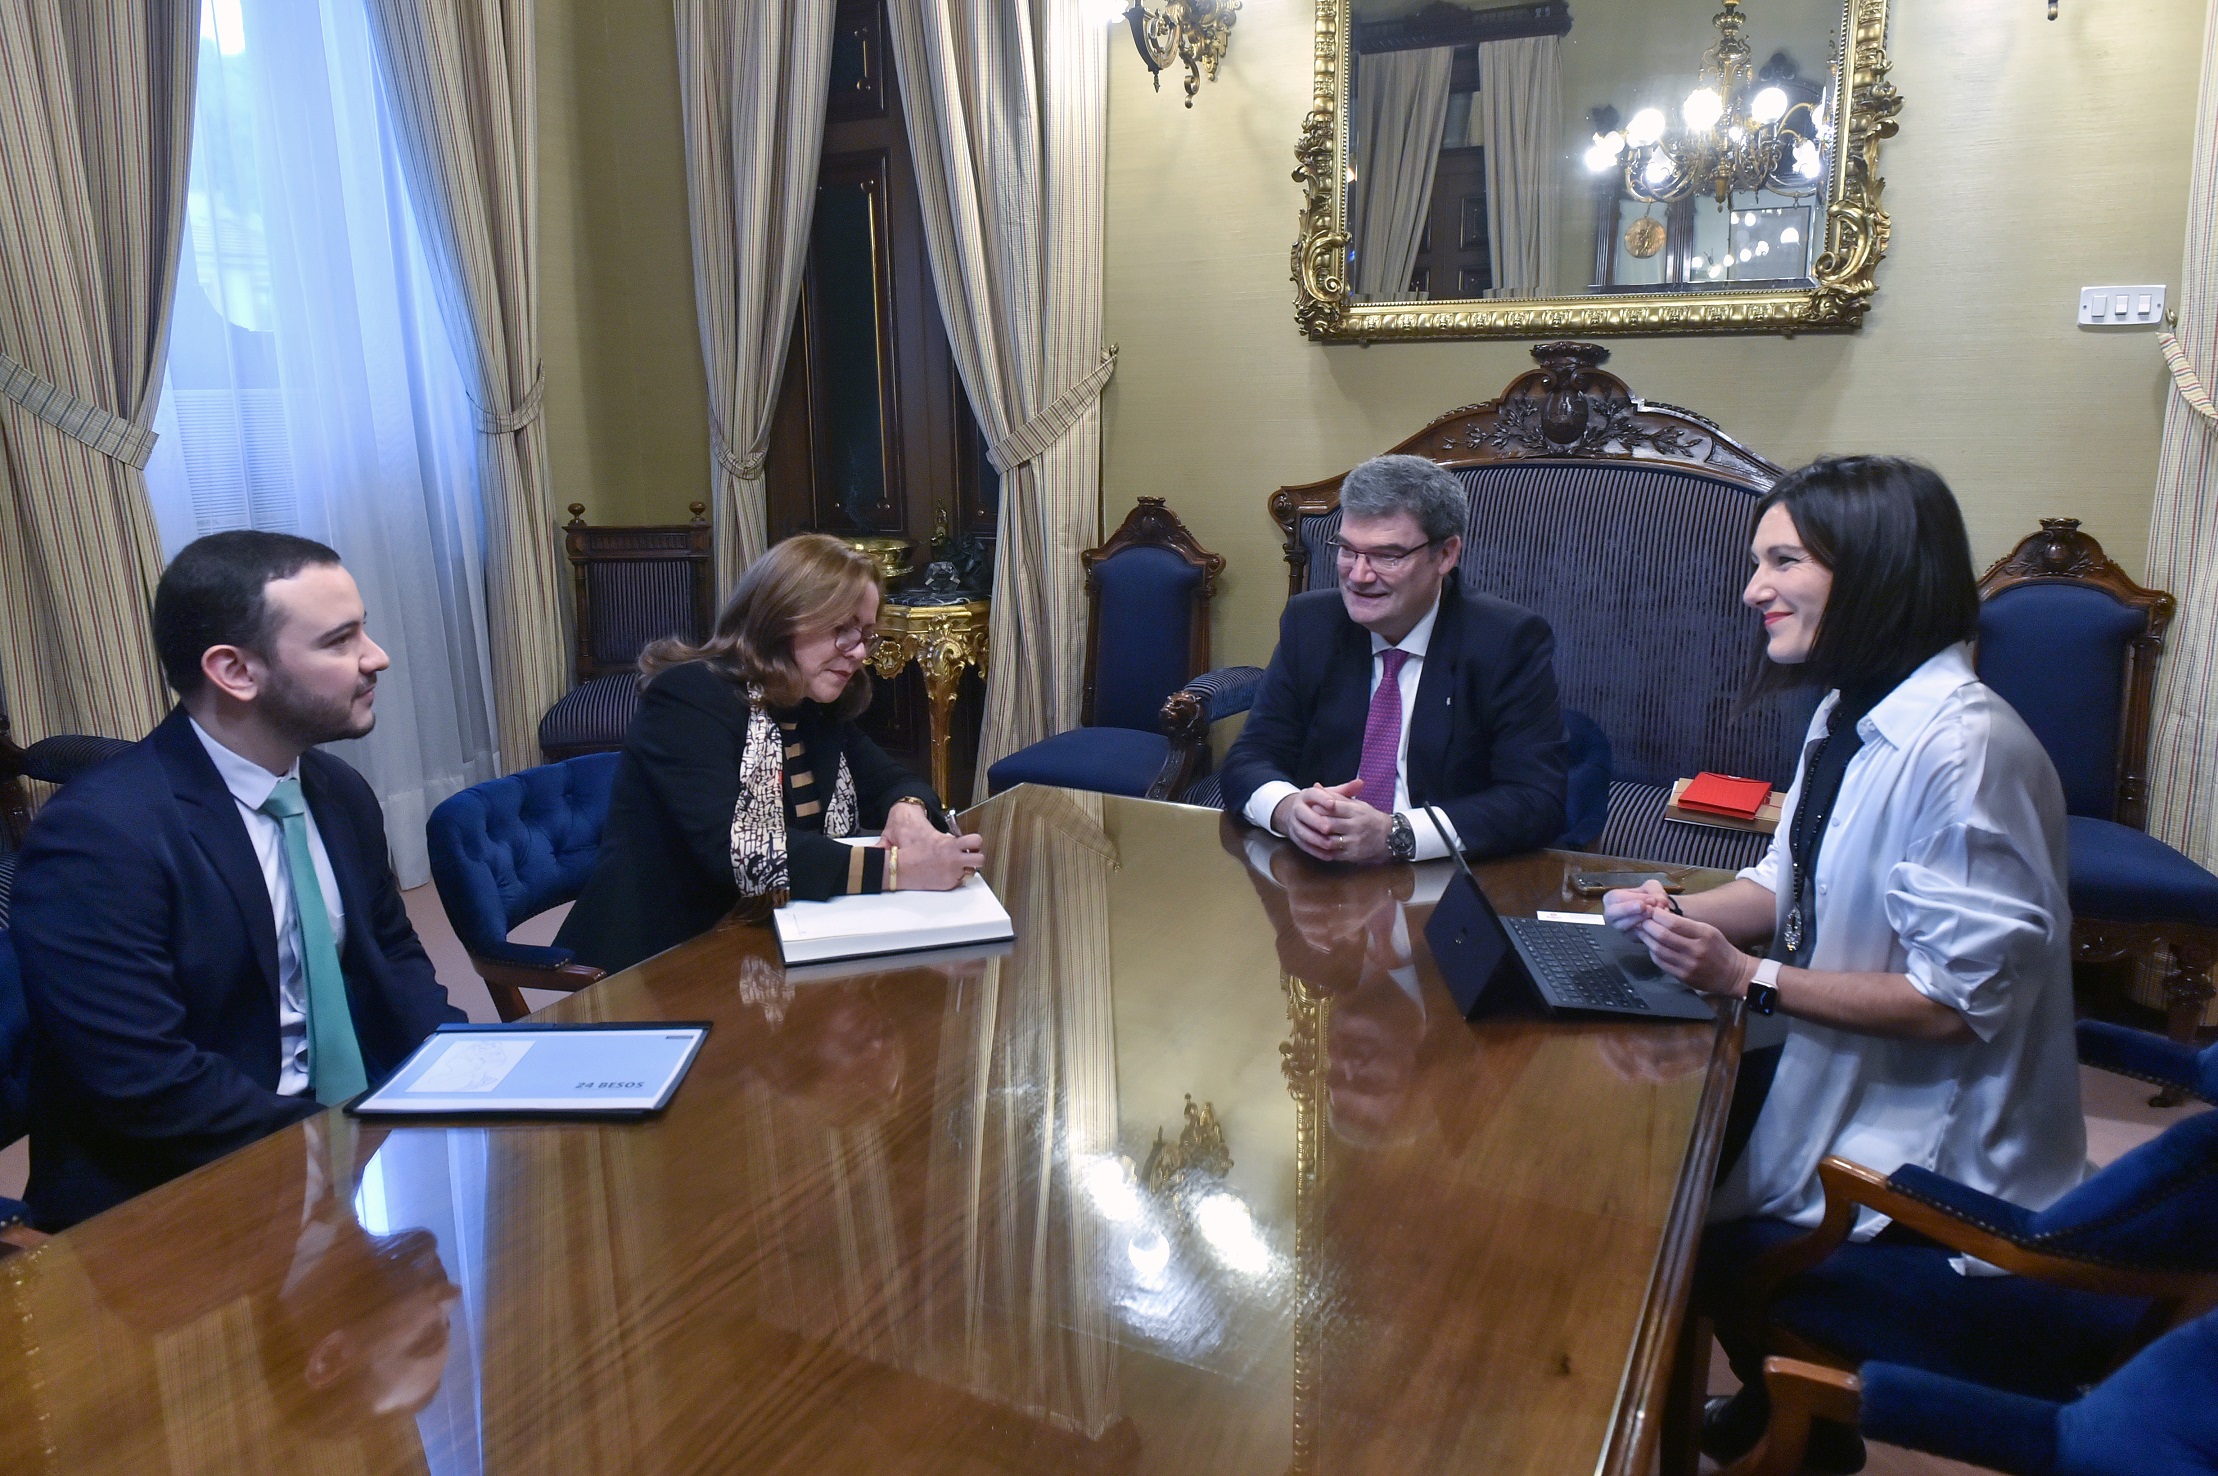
808, 583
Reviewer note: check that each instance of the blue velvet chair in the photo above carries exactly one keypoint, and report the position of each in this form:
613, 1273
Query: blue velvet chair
2072, 643
2155, 1416
509, 849
2094, 1277
634, 586
1625, 524
1148, 590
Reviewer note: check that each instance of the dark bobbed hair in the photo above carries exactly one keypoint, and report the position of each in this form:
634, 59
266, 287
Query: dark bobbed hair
807, 583
214, 593
1893, 537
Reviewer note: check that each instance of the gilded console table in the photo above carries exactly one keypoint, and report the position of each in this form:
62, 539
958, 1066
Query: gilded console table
941, 640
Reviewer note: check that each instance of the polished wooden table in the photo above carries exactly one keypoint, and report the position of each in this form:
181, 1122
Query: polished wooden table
1203, 1174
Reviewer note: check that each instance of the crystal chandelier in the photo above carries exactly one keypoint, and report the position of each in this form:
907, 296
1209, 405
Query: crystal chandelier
1737, 137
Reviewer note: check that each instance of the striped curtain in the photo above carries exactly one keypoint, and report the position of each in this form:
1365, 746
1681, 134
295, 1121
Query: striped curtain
95, 135
2183, 526
752, 79
465, 97
1006, 109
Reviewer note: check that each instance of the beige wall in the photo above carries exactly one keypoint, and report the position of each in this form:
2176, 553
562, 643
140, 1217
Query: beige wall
627, 406
2035, 157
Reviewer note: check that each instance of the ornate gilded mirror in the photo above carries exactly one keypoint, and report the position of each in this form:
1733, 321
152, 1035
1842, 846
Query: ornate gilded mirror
1478, 170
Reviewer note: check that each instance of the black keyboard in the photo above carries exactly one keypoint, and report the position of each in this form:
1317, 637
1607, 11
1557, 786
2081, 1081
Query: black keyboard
1573, 972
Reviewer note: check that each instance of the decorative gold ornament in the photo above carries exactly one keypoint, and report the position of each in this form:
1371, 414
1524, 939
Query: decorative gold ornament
1856, 228
891, 555
1200, 1152
941, 640
1645, 237
1195, 32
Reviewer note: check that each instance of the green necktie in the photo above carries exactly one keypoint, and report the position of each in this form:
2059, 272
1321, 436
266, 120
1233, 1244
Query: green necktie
334, 1055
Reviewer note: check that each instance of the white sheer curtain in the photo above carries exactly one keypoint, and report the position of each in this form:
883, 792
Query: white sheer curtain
1401, 105
1521, 98
311, 387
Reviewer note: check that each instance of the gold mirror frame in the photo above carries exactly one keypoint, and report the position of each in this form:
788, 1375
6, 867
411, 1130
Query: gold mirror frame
1856, 230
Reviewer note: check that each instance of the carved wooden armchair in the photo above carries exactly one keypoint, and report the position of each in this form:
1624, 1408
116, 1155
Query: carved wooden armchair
1147, 635
1625, 524
2072, 642
634, 585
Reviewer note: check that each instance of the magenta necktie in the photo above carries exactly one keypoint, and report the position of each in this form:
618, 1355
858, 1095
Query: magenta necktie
1382, 733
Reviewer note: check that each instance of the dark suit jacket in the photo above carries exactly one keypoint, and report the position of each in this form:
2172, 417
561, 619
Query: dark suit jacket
1486, 732
149, 953
664, 870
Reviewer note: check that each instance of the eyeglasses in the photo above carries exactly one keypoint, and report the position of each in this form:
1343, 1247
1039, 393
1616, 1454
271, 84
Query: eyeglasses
1384, 560
852, 638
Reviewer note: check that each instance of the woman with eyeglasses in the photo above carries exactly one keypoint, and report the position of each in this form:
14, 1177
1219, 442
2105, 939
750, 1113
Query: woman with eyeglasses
744, 767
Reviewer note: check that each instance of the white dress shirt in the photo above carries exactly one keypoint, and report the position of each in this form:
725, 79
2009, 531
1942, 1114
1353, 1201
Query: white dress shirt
250, 785
1944, 860
1430, 846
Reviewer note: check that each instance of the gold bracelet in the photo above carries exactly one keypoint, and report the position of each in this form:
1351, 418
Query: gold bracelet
893, 869
910, 799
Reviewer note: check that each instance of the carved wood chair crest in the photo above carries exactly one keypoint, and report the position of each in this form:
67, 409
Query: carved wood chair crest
1567, 408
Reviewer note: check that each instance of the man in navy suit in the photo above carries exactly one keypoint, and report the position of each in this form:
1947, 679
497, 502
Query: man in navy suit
1399, 690
212, 942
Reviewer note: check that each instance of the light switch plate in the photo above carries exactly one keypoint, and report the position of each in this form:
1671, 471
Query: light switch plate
2121, 307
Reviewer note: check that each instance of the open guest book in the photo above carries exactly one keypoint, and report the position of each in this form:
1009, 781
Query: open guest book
891, 922
626, 1070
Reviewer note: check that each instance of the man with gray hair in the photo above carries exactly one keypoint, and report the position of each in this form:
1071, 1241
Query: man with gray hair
1401, 690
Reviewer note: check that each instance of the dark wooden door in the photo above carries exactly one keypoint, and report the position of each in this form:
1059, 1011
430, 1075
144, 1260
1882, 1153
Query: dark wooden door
1452, 256
874, 435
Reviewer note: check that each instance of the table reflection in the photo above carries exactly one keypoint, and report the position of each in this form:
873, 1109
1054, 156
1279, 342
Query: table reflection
902, 1206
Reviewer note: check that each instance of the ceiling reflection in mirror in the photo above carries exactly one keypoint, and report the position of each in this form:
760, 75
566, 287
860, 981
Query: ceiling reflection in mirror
1599, 166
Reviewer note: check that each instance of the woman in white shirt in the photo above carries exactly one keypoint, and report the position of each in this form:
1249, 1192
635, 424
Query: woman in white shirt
1910, 921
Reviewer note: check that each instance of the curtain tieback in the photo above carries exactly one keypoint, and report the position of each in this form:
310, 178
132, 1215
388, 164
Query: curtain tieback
103, 430
2189, 383
1046, 428
748, 468
526, 411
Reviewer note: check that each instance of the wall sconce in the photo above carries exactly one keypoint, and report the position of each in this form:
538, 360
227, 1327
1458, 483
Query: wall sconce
1195, 32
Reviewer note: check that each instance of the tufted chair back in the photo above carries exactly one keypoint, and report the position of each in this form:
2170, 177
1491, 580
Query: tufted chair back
511, 848
1652, 641
636, 585
2071, 642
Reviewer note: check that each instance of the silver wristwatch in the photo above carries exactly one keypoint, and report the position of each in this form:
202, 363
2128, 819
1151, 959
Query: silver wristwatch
1401, 841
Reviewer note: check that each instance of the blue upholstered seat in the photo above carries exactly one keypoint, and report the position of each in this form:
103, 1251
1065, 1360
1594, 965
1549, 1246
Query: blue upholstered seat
2156, 1416
61, 758
1106, 760
2128, 875
2154, 1208
2136, 1053
1148, 586
594, 714
510, 848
